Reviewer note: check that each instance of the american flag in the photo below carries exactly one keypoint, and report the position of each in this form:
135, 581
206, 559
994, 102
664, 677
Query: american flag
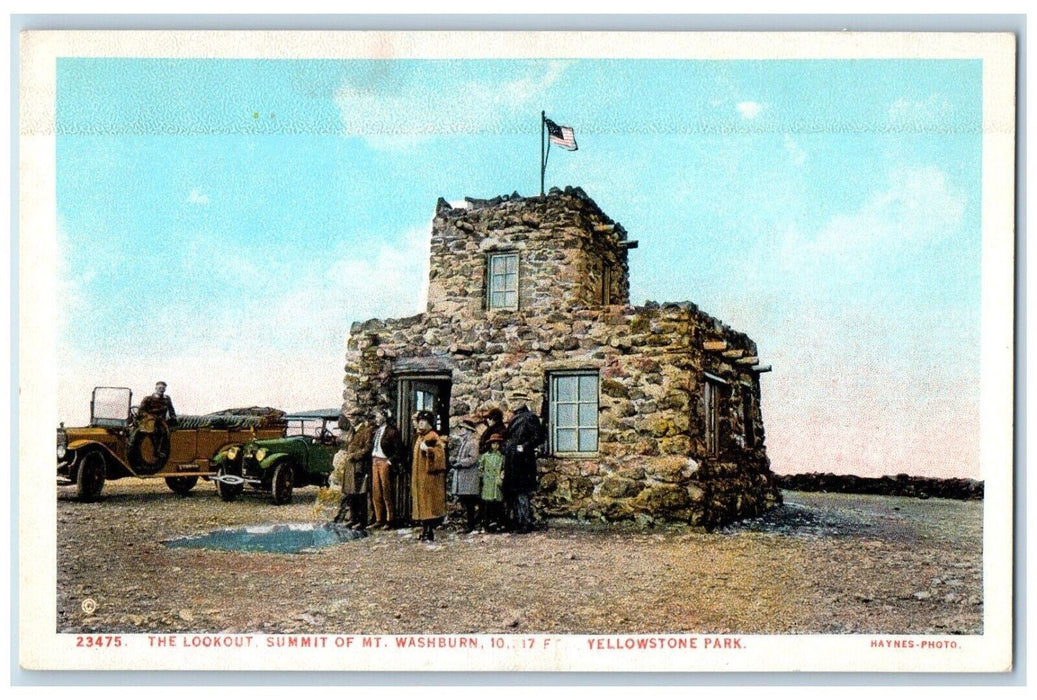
561, 135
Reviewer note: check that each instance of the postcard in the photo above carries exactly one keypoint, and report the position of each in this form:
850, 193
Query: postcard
516, 351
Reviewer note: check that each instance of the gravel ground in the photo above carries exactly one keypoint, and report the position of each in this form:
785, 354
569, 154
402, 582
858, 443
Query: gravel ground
822, 563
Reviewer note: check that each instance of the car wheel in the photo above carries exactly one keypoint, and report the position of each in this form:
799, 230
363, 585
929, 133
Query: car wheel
281, 485
90, 478
228, 492
181, 484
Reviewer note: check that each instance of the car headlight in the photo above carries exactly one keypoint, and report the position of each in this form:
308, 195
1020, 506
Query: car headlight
260, 454
62, 444
233, 452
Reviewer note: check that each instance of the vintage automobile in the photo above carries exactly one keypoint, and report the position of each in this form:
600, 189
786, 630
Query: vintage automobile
106, 449
302, 458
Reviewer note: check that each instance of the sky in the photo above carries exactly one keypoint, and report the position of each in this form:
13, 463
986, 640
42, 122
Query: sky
222, 223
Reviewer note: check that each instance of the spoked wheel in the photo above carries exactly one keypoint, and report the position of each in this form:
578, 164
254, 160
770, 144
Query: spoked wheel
281, 485
90, 479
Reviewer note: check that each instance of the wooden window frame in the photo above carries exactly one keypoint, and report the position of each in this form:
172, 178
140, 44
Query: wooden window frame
553, 404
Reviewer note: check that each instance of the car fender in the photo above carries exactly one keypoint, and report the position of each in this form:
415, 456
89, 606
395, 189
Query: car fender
272, 461
115, 466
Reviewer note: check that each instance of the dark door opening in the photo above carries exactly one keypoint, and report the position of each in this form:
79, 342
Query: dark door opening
423, 393
418, 393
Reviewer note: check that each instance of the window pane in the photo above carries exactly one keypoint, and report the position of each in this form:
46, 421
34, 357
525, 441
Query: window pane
588, 415
511, 263
565, 440
565, 415
589, 388
497, 300
565, 389
588, 440
510, 281
510, 299
497, 265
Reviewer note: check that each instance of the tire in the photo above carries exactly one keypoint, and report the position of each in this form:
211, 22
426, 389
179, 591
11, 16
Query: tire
228, 492
142, 454
181, 484
281, 484
90, 477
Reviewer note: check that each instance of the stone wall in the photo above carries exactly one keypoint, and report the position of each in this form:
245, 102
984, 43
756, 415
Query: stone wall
565, 244
653, 459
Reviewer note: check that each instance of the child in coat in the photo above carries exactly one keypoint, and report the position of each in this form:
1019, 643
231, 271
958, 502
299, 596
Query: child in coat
491, 471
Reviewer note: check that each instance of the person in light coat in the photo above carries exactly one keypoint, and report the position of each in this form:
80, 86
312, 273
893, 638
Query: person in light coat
428, 477
465, 482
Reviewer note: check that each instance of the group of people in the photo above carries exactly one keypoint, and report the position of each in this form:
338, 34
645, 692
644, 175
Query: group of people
492, 472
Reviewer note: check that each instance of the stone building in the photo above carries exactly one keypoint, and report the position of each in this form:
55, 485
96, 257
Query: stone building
653, 411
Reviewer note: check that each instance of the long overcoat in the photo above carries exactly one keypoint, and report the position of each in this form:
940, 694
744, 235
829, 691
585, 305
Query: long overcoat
428, 478
466, 467
358, 460
525, 435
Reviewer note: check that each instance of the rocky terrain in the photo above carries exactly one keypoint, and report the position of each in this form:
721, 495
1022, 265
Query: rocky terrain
821, 563
899, 485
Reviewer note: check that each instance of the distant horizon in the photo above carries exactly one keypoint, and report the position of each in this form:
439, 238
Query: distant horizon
222, 223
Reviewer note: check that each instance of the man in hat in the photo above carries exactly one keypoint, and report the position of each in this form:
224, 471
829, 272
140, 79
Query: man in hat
386, 450
524, 435
356, 479
154, 416
465, 482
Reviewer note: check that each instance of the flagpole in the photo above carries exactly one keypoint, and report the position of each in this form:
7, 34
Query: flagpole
543, 164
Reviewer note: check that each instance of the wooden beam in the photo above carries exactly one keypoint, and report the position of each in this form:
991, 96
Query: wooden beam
762, 369
733, 353
751, 360
714, 345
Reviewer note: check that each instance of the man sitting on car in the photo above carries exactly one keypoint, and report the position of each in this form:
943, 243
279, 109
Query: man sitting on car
154, 417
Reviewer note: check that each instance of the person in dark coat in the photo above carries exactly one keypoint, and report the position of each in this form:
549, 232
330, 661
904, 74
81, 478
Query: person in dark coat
524, 435
155, 415
357, 477
387, 457
493, 417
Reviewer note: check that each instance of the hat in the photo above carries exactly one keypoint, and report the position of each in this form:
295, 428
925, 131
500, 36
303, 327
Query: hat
471, 421
426, 416
493, 413
161, 384
519, 397
496, 437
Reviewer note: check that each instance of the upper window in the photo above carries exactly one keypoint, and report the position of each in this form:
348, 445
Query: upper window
574, 412
502, 290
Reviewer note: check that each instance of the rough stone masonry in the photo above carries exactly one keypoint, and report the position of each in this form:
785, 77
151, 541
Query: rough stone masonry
653, 411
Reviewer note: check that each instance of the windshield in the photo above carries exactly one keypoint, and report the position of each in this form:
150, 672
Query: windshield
311, 427
110, 406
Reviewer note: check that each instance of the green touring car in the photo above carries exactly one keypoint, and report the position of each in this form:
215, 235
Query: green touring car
303, 457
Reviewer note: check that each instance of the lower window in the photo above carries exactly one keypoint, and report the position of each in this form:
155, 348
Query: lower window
574, 412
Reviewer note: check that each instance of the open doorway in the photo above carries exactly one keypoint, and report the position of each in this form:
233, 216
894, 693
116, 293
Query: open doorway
423, 393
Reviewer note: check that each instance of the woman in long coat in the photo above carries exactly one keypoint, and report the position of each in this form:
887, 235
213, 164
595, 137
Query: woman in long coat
428, 478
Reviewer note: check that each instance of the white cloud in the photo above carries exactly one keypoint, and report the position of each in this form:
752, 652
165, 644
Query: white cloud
916, 207
749, 109
400, 115
282, 345
198, 197
919, 113
796, 153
